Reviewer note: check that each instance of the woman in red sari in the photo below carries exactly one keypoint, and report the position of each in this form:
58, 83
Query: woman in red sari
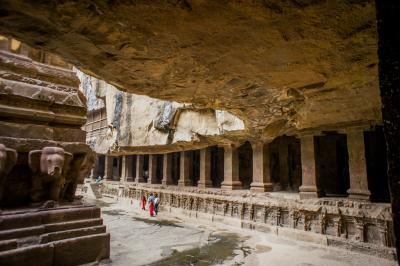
151, 204
143, 202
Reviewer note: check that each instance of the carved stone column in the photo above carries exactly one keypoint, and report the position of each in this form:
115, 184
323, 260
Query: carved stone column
139, 169
108, 168
261, 170
184, 179
167, 169
205, 168
231, 168
152, 169
309, 187
357, 166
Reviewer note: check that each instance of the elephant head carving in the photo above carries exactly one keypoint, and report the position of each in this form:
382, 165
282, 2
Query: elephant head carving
8, 158
51, 161
48, 166
80, 168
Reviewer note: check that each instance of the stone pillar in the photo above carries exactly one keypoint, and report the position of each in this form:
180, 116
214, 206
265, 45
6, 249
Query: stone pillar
205, 168
357, 166
152, 169
231, 168
108, 168
139, 168
167, 169
184, 179
123, 168
261, 170
129, 168
309, 187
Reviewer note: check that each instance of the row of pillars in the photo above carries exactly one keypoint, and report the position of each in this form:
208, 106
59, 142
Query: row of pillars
261, 169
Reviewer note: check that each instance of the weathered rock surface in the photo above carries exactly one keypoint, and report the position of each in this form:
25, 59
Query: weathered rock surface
280, 66
143, 124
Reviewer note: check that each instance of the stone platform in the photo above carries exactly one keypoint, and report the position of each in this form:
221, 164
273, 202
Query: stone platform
341, 222
65, 235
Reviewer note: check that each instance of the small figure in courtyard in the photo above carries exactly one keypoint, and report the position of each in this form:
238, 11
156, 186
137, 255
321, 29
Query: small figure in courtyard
143, 202
150, 200
156, 203
99, 179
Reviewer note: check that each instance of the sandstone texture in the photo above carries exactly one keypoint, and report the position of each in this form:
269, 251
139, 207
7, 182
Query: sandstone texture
280, 66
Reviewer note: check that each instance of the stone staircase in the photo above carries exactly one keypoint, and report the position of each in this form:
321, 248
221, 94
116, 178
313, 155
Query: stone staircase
70, 235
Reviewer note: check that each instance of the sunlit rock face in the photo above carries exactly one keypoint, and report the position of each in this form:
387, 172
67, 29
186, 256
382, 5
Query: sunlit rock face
142, 124
280, 66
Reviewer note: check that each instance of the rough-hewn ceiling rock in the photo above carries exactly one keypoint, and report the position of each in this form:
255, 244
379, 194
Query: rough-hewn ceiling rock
278, 65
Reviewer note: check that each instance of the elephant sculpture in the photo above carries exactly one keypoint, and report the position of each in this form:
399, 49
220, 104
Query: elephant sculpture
8, 158
81, 166
48, 166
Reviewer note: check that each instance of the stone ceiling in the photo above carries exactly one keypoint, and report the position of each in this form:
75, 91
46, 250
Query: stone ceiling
278, 65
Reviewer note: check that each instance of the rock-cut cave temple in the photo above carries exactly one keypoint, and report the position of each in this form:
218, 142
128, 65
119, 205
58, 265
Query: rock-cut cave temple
274, 116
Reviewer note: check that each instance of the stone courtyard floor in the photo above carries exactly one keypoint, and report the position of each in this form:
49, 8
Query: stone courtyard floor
137, 239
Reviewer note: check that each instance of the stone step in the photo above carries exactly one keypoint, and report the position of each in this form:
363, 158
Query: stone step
68, 234
37, 218
8, 244
48, 228
72, 251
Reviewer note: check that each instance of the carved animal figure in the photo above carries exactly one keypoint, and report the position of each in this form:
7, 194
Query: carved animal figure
8, 158
48, 166
80, 168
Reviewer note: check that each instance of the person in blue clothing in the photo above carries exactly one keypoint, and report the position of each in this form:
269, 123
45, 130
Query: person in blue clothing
156, 203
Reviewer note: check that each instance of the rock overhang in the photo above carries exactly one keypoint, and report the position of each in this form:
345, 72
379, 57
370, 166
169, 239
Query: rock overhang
280, 66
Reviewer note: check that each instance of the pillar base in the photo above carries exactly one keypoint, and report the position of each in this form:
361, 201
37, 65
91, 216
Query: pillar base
359, 194
233, 185
204, 184
167, 182
184, 183
140, 180
309, 192
261, 187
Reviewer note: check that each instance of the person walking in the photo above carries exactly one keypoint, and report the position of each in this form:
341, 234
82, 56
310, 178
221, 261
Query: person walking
150, 200
143, 202
156, 203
